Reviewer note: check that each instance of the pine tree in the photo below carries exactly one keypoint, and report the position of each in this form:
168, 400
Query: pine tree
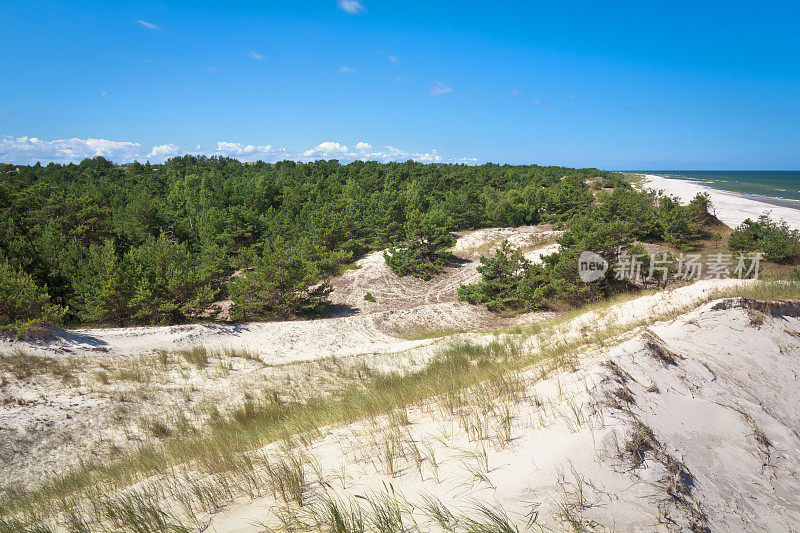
24, 306
107, 298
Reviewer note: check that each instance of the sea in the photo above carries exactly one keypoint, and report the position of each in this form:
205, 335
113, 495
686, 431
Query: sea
770, 186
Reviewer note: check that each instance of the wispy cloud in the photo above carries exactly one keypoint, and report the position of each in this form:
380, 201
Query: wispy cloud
104, 94
346, 70
149, 25
543, 103
211, 69
438, 88
392, 59
28, 150
256, 55
353, 7
514, 93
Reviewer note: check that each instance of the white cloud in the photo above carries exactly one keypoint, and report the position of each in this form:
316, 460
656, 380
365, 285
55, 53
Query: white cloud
104, 94
161, 152
29, 150
149, 25
256, 55
351, 6
346, 70
326, 149
514, 93
392, 59
438, 88
32, 149
250, 152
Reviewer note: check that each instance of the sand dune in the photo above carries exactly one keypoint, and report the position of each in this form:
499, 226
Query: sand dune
688, 425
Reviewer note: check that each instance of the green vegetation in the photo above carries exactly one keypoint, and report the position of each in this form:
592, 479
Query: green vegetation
509, 282
778, 242
147, 244
618, 220
424, 251
24, 306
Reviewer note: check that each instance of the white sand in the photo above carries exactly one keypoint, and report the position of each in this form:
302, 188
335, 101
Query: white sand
723, 449
730, 208
723, 414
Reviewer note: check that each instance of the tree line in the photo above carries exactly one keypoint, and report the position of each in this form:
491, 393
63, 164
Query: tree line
97, 243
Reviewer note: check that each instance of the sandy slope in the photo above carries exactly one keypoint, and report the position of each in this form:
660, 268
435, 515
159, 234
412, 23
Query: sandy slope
732, 209
113, 389
50, 422
690, 424
397, 293
404, 304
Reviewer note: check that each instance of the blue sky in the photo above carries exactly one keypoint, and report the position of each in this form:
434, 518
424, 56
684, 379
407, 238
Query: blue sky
623, 85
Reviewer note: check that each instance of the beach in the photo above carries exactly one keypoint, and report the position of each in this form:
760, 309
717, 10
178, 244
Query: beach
730, 208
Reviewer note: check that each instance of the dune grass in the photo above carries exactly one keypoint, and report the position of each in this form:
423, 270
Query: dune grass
220, 449
422, 333
22, 364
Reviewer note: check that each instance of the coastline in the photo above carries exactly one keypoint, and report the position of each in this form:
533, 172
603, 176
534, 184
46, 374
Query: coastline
731, 208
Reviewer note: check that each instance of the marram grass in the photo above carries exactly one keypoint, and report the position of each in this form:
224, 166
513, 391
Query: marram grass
221, 447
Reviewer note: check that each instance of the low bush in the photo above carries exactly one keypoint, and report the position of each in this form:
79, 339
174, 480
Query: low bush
425, 250
778, 242
509, 281
24, 306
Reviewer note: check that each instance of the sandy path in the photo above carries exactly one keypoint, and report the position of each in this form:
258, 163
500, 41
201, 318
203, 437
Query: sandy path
403, 304
391, 292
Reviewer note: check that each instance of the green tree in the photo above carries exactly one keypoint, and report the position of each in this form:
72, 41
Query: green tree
24, 306
425, 249
169, 283
105, 289
509, 281
776, 240
607, 239
280, 285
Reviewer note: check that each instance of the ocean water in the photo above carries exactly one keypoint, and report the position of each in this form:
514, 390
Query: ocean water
773, 187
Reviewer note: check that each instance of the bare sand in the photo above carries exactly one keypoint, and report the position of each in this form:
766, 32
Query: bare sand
730, 208
688, 425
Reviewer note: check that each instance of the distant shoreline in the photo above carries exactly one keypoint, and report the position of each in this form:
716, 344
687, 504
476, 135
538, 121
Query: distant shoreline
723, 186
731, 208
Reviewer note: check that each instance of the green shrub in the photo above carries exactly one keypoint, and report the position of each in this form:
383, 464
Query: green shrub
279, 286
776, 240
509, 281
369, 297
607, 239
424, 252
24, 306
